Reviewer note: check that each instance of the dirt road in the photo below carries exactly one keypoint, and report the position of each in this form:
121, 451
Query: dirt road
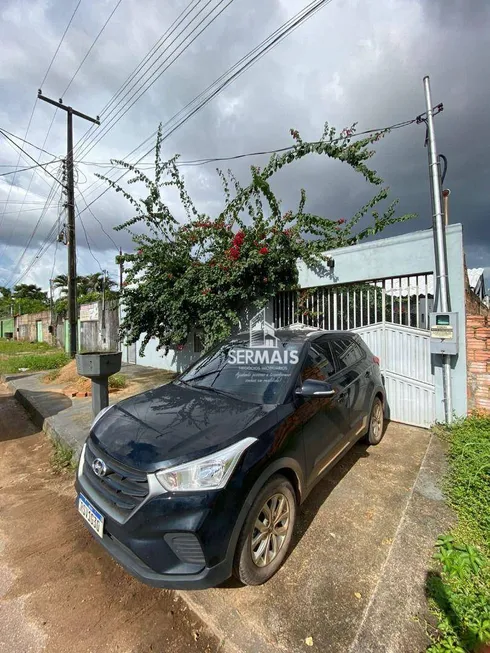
59, 591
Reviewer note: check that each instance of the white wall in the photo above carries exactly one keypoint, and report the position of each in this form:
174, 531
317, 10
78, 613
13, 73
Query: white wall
403, 256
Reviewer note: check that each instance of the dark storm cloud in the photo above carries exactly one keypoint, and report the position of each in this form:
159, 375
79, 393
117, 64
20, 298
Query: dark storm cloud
352, 62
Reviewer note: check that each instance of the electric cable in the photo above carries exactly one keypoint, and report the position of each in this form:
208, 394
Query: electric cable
108, 126
246, 61
188, 9
35, 101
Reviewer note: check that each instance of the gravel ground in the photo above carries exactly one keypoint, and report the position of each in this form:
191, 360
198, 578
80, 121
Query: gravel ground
59, 591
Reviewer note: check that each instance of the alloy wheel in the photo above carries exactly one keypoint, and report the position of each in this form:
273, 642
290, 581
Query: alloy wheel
377, 420
270, 529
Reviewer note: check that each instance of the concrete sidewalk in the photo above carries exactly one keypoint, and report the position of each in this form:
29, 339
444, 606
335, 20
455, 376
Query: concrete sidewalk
354, 580
65, 419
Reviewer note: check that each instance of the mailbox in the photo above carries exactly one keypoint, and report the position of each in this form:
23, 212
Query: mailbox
99, 366
444, 333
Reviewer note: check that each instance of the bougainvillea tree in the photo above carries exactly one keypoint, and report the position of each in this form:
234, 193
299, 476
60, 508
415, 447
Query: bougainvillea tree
200, 272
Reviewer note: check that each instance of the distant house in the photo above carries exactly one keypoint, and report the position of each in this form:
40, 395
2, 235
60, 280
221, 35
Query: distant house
477, 282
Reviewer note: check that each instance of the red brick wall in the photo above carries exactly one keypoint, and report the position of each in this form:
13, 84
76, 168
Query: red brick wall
478, 356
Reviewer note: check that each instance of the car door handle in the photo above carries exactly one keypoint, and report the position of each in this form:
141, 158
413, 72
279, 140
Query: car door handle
343, 397
367, 373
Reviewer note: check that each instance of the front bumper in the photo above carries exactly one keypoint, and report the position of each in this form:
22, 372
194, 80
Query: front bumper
184, 541
205, 578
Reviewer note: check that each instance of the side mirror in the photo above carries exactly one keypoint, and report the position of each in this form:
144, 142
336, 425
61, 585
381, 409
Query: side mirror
312, 388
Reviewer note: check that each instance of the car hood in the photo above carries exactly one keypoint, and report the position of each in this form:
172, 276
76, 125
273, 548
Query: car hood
176, 423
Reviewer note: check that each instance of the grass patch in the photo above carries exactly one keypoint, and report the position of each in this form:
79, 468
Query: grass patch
13, 347
34, 362
459, 589
117, 382
62, 457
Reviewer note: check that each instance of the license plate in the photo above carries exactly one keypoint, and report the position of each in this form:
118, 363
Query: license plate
91, 515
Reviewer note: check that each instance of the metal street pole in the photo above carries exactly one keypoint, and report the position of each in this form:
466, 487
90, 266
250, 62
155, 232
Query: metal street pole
121, 270
439, 243
70, 188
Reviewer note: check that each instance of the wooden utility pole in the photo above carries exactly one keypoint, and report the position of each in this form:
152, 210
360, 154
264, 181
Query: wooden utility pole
70, 189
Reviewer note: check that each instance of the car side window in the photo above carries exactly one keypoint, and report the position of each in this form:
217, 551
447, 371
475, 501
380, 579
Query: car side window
318, 365
347, 352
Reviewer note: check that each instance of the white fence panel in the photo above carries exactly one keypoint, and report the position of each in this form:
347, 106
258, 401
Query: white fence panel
404, 354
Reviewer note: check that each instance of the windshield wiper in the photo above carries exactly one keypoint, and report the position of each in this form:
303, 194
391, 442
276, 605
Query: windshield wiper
201, 376
216, 390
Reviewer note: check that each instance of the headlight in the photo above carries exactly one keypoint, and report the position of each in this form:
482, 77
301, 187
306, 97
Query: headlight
208, 473
99, 415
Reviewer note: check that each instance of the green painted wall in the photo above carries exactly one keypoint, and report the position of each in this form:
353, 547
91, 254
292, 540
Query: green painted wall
6, 326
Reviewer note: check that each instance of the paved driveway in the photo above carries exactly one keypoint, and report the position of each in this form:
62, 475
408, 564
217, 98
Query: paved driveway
354, 580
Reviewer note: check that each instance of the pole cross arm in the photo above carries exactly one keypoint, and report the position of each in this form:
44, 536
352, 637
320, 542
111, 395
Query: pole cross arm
71, 110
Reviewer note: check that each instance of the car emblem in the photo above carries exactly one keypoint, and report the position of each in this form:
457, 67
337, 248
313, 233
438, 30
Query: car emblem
99, 467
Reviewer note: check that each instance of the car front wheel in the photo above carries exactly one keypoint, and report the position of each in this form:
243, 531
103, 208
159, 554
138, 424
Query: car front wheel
266, 534
376, 423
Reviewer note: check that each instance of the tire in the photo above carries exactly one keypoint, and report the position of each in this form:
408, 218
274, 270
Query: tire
254, 566
376, 423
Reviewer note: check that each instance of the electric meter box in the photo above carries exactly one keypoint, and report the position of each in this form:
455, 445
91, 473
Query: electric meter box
444, 333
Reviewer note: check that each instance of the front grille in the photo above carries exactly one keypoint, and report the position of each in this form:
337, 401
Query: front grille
123, 487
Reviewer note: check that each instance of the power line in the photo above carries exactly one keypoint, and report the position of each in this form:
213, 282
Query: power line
49, 240
34, 231
141, 65
205, 160
35, 101
54, 259
59, 44
88, 243
27, 142
108, 126
91, 47
230, 75
47, 244
23, 211
38, 165
97, 219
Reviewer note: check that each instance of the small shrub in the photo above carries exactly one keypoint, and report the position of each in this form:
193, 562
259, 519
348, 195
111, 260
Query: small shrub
117, 382
62, 457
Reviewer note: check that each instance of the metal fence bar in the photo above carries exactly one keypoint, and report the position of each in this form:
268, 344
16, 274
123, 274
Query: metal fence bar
348, 310
323, 308
426, 303
400, 299
335, 311
383, 302
409, 314
417, 303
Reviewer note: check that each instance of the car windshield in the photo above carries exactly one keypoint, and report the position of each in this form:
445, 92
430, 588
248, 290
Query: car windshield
255, 374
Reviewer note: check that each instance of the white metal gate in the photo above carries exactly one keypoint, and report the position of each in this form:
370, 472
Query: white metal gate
391, 315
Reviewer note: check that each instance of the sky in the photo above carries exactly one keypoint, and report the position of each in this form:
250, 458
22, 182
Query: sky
353, 61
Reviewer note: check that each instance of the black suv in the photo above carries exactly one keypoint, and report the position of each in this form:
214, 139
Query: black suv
200, 479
